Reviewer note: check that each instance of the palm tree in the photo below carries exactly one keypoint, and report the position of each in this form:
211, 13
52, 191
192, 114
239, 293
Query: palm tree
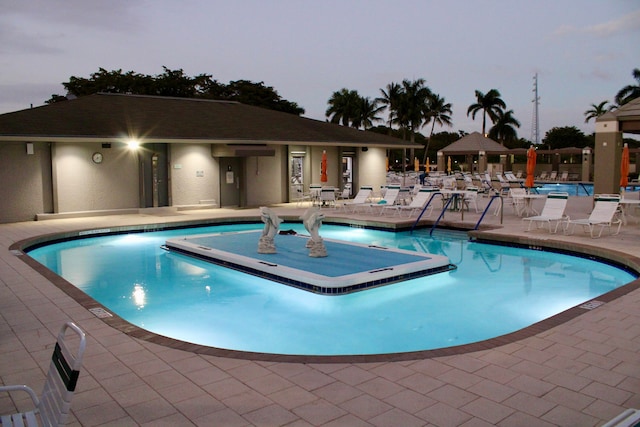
490, 105
390, 100
366, 113
630, 92
504, 128
597, 110
439, 111
343, 106
412, 106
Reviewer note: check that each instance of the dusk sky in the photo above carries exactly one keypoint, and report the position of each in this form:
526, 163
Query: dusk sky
584, 51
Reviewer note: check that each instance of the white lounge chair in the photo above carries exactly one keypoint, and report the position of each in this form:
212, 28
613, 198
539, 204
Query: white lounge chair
53, 406
361, 199
552, 212
417, 204
470, 198
564, 176
389, 199
603, 215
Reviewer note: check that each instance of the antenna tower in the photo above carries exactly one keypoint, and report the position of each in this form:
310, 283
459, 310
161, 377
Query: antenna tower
535, 122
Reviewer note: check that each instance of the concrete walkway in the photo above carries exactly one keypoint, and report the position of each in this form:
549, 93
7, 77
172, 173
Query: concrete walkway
579, 373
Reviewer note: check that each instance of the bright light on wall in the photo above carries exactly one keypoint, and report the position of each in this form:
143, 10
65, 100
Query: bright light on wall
133, 144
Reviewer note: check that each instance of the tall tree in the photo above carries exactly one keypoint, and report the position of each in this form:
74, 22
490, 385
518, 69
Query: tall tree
567, 136
343, 107
412, 105
504, 129
630, 92
176, 83
367, 113
257, 94
438, 111
390, 99
597, 110
490, 104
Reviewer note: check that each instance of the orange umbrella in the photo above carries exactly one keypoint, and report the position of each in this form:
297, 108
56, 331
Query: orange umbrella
624, 166
323, 167
531, 166
416, 164
387, 163
449, 164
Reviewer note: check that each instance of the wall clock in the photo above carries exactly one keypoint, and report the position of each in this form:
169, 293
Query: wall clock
97, 158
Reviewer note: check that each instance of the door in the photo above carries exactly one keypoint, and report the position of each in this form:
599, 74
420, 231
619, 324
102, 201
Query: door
155, 182
230, 181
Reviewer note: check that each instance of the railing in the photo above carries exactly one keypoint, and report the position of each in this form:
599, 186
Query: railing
446, 206
495, 196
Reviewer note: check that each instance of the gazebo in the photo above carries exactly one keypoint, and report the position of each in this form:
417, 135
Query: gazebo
472, 145
608, 150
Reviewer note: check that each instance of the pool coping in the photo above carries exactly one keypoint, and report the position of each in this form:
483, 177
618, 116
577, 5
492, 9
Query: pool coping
489, 236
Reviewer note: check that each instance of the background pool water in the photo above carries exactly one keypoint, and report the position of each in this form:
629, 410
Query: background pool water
494, 291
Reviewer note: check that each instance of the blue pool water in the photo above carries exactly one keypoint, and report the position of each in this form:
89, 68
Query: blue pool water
494, 291
573, 188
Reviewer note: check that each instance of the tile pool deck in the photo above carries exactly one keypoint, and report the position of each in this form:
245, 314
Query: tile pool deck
578, 373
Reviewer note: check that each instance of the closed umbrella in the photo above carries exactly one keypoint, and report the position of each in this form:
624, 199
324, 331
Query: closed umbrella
531, 166
624, 167
449, 165
416, 164
323, 167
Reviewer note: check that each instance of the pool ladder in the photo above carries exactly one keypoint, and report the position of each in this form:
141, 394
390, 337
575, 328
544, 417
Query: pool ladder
446, 206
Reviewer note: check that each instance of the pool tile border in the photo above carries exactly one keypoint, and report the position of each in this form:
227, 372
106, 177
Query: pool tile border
115, 321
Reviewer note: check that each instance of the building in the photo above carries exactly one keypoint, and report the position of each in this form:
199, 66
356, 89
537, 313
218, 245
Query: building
106, 152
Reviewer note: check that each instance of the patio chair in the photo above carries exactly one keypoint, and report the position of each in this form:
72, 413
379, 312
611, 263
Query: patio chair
603, 215
564, 176
54, 404
328, 197
542, 176
418, 202
552, 212
629, 418
553, 176
298, 195
470, 198
361, 199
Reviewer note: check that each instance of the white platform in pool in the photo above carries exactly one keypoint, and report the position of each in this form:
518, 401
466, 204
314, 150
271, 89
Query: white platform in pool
348, 267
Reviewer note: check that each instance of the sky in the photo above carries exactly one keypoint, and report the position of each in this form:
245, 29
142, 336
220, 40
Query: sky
583, 51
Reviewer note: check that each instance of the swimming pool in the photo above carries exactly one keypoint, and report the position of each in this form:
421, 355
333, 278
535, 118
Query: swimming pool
573, 188
494, 291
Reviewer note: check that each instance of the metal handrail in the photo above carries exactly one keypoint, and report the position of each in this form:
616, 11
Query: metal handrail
495, 196
426, 206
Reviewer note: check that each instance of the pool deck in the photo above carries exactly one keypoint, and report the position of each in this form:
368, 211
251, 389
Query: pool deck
579, 373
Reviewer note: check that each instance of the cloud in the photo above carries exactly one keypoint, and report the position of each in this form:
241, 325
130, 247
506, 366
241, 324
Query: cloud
114, 14
38, 26
628, 23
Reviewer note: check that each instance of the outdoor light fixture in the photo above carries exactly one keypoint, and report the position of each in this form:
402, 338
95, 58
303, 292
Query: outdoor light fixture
133, 144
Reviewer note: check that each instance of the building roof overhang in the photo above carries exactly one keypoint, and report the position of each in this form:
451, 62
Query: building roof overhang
149, 119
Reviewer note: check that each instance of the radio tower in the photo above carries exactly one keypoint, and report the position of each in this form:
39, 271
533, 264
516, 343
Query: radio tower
535, 122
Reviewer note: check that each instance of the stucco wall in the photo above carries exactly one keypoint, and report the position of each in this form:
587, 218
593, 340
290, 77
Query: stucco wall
26, 181
372, 168
81, 185
194, 175
264, 178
